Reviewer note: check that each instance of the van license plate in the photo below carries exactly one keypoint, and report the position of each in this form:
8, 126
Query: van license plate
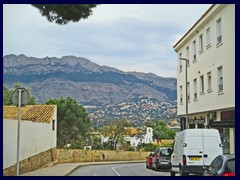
195, 158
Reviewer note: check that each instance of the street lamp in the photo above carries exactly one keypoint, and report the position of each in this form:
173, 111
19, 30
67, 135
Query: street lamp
186, 62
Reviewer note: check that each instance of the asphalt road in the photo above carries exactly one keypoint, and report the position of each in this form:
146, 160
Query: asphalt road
129, 169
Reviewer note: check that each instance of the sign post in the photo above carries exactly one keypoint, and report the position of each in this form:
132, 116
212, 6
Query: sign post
20, 97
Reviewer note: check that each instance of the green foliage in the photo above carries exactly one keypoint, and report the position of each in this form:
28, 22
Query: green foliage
7, 95
147, 147
65, 13
160, 130
73, 121
168, 144
115, 131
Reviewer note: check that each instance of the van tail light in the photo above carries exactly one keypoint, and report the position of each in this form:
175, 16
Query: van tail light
184, 160
228, 174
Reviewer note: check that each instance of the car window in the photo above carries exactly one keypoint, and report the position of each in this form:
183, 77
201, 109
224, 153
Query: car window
164, 152
216, 164
230, 166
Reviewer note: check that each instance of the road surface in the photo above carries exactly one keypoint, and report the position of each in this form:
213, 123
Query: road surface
128, 169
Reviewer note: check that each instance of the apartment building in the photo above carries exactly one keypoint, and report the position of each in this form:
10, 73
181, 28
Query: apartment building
208, 48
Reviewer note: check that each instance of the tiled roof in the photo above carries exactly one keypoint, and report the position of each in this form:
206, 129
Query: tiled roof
35, 113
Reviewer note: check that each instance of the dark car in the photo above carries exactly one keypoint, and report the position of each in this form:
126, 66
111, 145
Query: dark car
149, 161
161, 158
222, 165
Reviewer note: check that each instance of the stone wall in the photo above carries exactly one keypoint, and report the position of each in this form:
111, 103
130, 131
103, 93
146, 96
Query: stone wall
32, 163
78, 155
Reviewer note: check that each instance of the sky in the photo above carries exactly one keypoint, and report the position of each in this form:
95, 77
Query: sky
129, 37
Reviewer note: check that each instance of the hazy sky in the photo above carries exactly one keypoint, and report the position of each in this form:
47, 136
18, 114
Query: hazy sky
129, 37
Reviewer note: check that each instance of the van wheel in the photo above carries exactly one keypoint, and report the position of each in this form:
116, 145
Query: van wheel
173, 173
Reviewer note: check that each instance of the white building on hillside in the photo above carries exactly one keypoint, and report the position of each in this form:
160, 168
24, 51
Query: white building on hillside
209, 47
146, 137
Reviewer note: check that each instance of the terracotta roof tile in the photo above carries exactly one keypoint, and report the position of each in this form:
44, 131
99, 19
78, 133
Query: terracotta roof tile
35, 113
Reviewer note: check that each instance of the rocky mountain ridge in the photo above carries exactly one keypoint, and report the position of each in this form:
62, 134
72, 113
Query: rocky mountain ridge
87, 82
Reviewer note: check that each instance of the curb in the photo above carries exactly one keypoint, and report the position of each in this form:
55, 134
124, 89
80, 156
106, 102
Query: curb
102, 163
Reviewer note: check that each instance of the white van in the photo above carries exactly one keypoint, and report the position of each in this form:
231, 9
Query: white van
193, 149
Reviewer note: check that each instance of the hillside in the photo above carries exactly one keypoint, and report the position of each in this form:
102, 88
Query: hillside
88, 83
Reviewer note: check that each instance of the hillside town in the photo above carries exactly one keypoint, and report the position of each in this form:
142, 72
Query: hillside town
100, 121
137, 112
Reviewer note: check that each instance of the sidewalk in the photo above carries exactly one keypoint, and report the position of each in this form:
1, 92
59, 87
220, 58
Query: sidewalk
65, 169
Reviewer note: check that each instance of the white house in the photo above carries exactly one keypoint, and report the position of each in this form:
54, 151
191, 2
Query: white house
146, 137
38, 137
208, 48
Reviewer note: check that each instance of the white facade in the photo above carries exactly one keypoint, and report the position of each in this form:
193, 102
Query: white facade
148, 137
210, 48
145, 138
35, 137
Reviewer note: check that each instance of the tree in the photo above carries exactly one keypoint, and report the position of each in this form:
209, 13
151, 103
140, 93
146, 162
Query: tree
73, 121
64, 13
115, 131
7, 95
160, 130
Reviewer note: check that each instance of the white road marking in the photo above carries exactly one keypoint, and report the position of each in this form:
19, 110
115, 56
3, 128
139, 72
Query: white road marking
115, 171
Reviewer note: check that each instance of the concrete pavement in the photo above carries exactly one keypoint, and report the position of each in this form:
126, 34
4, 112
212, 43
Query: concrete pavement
65, 169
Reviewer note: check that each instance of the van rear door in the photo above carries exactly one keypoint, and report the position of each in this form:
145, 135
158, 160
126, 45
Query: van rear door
211, 146
194, 150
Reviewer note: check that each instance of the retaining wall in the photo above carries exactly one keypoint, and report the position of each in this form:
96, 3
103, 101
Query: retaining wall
78, 155
32, 163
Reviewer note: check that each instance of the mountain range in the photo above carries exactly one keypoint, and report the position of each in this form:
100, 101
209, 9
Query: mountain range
86, 82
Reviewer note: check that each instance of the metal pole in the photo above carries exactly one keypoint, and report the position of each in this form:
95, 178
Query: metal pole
18, 133
186, 60
186, 99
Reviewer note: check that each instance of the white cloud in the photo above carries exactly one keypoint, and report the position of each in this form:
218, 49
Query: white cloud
130, 37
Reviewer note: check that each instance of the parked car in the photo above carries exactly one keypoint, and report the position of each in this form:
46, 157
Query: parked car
149, 161
193, 149
222, 165
161, 158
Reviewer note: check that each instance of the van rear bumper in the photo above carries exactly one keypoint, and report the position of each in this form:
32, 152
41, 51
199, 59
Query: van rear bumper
193, 169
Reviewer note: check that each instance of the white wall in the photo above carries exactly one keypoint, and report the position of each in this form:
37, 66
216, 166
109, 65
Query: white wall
209, 60
34, 138
149, 135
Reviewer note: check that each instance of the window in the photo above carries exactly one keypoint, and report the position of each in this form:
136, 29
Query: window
202, 84
195, 88
180, 62
208, 37
187, 55
188, 91
216, 164
220, 79
53, 124
209, 81
201, 43
181, 98
194, 51
219, 31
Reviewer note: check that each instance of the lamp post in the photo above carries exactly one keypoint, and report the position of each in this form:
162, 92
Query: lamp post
186, 62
